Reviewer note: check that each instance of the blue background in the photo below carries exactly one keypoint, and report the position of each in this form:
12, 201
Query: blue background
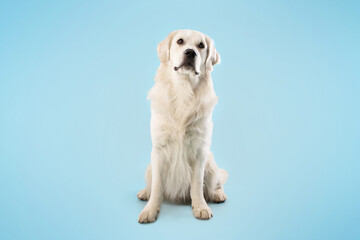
75, 123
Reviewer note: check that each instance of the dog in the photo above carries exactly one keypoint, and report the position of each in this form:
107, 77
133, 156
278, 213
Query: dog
182, 167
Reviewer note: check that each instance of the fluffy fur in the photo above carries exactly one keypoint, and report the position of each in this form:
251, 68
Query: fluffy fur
182, 168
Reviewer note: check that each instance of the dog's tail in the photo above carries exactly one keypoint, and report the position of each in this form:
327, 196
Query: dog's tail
223, 176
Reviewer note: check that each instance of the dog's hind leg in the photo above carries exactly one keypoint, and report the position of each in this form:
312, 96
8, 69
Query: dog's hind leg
144, 194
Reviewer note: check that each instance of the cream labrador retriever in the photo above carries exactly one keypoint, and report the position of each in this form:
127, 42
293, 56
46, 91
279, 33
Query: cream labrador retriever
182, 168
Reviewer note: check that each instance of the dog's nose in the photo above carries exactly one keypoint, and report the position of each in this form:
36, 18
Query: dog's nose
190, 53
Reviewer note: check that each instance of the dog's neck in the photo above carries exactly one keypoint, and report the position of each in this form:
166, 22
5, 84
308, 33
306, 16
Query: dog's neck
192, 78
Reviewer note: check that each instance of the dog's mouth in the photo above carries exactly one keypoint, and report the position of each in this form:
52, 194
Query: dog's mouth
187, 65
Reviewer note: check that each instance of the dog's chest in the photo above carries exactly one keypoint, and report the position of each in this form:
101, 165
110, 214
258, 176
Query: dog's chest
182, 103
188, 113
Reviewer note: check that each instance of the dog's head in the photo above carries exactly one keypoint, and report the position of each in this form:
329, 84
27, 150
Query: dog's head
188, 51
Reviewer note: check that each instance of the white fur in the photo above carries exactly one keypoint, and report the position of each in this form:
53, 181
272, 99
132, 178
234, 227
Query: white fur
182, 167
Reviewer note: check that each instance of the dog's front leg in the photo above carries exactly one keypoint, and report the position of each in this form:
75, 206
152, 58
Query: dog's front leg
200, 208
152, 208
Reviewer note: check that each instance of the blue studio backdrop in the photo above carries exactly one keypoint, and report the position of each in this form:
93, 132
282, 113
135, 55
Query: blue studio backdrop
75, 122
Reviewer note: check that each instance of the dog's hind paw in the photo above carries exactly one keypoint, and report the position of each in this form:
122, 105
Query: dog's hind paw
219, 196
142, 195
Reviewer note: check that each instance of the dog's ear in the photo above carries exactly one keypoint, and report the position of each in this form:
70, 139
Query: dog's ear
213, 56
163, 48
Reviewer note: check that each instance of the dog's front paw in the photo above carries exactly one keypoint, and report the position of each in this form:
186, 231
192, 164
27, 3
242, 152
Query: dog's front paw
202, 212
148, 215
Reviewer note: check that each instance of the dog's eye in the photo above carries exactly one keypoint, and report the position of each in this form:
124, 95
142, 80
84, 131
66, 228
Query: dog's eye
201, 45
180, 41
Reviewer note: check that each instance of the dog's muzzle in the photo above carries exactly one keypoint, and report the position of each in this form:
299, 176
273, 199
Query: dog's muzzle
189, 60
